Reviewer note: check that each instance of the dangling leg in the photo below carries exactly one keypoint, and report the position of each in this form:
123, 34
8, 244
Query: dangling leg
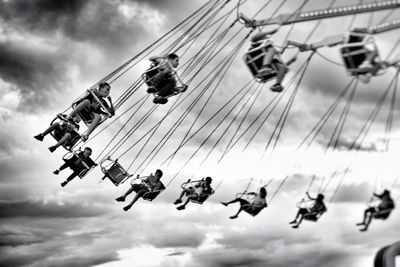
367, 219
70, 178
84, 104
179, 200
192, 196
236, 215
62, 167
300, 215
271, 52
230, 202
92, 126
281, 70
297, 216
138, 195
127, 193
63, 140
47, 131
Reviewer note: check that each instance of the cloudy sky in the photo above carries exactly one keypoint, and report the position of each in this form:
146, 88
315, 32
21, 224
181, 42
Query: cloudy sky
51, 51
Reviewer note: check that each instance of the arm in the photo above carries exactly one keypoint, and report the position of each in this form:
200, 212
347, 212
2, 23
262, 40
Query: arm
308, 195
156, 57
111, 109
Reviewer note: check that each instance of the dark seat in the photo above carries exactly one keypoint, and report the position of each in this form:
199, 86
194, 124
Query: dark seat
115, 173
86, 165
312, 216
382, 214
355, 50
253, 212
86, 115
254, 60
58, 135
151, 195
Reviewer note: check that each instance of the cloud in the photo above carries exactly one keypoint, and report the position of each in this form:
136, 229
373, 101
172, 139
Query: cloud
347, 144
354, 193
33, 73
47, 210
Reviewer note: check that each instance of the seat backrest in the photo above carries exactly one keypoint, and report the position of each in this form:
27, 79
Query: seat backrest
116, 174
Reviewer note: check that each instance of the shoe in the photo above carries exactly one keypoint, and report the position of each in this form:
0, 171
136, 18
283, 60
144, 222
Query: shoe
160, 100
233, 217
84, 137
39, 137
295, 226
364, 229
152, 90
64, 183
52, 149
359, 224
365, 65
56, 172
277, 88
293, 222
126, 208
177, 201
120, 199
224, 203
180, 207
184, 88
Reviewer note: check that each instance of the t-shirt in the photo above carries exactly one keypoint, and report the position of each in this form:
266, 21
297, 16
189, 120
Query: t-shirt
153, 182
258, 201
318, 207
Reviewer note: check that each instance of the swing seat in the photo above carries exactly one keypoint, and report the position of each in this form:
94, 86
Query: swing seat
116, 174
58, 135
254, 58
149, 76
200, 199
312, 216
382, 214
356, 50
151, 195
253, 212
86, 115
87, 165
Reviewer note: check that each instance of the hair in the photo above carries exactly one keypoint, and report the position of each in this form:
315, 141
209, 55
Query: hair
320, 197
386, 192
172, 56
263, 192
88, 148
208, 179
103, 84
159, 172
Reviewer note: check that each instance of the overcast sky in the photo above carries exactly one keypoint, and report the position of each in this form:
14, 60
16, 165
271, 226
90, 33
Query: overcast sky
51, 51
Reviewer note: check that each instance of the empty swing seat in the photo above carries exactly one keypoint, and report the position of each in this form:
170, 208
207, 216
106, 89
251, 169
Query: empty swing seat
116, 173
